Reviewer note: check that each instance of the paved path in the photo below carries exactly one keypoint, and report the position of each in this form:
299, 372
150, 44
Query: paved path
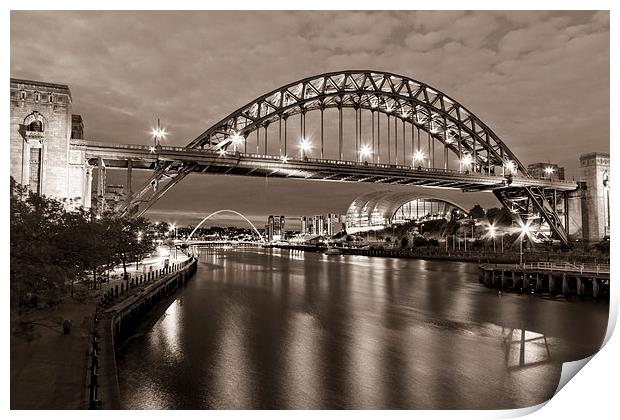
49, 368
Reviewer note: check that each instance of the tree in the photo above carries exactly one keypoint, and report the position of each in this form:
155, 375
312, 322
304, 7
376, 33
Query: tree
476, 212
51, 247
499, 216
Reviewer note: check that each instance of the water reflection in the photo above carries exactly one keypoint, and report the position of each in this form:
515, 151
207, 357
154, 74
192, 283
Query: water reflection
282, 329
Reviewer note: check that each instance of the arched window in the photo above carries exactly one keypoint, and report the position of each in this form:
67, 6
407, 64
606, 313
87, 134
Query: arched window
36, 126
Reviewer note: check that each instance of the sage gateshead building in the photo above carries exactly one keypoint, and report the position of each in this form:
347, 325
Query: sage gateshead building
381, 209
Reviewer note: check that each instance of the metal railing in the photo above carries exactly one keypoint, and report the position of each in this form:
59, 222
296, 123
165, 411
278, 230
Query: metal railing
216, 153
554, 266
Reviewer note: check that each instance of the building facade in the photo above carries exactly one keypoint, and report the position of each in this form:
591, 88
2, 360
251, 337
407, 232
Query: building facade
41, 124
381, 209
546, 170
595, 210
275, 228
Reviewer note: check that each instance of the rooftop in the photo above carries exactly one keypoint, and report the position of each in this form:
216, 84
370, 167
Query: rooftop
37, 83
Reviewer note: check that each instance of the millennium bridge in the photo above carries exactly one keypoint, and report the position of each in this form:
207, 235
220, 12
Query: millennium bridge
406, 133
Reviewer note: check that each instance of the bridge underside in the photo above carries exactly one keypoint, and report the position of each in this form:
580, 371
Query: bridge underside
530, 200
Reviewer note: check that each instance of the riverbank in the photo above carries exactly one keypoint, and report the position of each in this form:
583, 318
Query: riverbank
117, 316
477, 256
50, 369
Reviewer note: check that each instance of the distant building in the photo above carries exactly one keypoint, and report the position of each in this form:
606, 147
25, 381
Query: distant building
275, 228
77, 127
321, 224
546, 170
380, 209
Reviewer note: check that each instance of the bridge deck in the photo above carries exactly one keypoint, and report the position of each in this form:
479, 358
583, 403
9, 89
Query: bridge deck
247, 164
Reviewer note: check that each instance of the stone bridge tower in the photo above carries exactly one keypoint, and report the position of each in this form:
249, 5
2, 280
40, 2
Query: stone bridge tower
41, 127
595, 206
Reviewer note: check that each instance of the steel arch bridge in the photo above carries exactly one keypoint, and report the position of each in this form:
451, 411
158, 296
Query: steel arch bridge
226, 211
406, 132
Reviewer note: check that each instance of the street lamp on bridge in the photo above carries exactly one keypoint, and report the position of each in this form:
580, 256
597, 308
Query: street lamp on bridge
159, 134
549, 171
365, 151
237, 140
305, 146
466, 161
418, 156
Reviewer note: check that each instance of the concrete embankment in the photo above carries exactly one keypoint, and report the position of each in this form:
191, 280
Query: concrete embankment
116, 317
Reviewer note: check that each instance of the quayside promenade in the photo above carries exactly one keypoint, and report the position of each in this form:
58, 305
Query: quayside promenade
52, 368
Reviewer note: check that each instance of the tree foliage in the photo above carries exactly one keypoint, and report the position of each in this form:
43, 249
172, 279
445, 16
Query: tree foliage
52, 247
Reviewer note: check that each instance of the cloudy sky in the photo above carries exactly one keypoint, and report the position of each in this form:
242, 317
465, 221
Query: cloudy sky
539, 80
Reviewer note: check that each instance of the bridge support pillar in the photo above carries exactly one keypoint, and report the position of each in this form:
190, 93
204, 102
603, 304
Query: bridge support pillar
564, 284
580, 286
538, 282
128, 189
551, 282
503, 279
101, 181
595, 287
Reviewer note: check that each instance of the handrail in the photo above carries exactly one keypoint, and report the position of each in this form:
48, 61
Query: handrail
216, 153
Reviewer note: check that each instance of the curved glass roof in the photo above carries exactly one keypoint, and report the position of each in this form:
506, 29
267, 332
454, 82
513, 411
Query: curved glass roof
378, 209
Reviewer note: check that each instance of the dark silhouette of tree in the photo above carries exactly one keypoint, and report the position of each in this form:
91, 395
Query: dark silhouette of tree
52, 247
499, 216
476, 212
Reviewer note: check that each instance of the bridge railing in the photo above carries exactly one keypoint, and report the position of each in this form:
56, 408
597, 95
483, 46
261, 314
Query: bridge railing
214, 153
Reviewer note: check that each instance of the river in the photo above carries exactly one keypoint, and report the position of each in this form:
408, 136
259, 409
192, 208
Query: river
279, 329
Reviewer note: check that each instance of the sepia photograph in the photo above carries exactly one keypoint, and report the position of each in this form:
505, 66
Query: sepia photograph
306, 210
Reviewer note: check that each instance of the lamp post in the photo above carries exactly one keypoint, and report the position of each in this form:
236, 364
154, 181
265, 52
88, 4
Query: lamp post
159, 134
236, 140
525, 231
365, 152
304, 146
418, 156
492, 235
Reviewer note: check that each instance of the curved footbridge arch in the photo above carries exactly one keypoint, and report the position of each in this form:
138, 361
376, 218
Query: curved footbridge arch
226, 211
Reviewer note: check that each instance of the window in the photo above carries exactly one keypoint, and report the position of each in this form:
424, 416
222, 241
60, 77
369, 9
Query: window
35, 170
22, 95
50, 98
37, 96
36, 126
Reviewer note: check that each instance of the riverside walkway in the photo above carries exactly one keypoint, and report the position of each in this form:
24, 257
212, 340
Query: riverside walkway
49, 369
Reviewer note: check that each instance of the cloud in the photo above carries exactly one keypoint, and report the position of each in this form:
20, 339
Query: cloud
538, 79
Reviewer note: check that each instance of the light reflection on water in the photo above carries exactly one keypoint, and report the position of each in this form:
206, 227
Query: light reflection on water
277, 329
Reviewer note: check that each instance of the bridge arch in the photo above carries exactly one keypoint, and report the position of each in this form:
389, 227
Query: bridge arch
425, 108
226, 211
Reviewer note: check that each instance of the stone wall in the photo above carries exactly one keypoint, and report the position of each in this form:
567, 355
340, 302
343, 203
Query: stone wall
594, 167
49, 104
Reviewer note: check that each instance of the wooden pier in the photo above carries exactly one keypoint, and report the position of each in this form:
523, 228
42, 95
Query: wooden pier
546, 277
